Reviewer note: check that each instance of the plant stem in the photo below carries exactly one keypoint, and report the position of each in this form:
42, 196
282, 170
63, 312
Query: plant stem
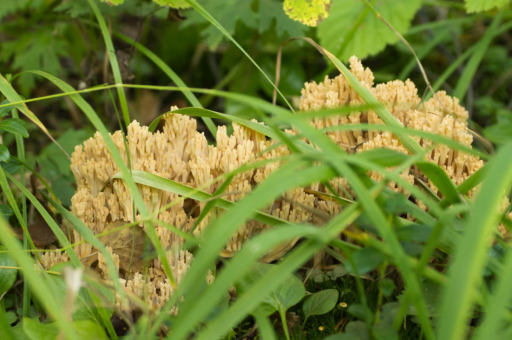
282, 313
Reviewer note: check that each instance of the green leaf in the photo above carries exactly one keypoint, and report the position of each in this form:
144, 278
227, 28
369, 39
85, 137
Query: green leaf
415, 232
308, 12
173, 3
7, 276
4, 153
286, 295
364, 260
84, 308
5, 210
113, 2
4, 111
17, 332
320, 303
499, 133
272, 10
360, 311
387, 286
484, 5
85, 330
14, 125
223, 12
267, 12
11, 317
371, 35
469, 260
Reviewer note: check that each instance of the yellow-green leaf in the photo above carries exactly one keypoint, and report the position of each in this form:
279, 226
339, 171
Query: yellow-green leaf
173, 3
308, 12
484, 5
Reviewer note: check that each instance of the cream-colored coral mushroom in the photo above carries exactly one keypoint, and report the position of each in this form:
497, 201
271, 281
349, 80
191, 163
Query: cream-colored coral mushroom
442, 115
50, 259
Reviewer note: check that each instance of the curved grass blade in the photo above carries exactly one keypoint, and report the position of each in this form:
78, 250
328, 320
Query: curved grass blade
496, 307
49, 220
39, 287
476, 58
171, 74
237, 268
113, 60
13, 97
214, 22
293, 174
472, 248
134, 191
247, 303
14, 206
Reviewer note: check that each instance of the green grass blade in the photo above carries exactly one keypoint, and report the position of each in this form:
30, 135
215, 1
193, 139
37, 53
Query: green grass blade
476, 59
473, 246
171, 74
422, 53
369, 99
237, 268
164, 184
496, 308
265, 328
112, 59
39, 287
134, 191
49, 220
14, 206
293, 174
214, 22
249, 301
13, 97
20, 148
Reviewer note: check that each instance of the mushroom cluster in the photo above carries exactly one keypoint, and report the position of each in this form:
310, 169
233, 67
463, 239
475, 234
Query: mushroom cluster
442, 115
182, 154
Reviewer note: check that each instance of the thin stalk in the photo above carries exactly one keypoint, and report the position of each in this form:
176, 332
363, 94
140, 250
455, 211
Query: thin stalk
282, 313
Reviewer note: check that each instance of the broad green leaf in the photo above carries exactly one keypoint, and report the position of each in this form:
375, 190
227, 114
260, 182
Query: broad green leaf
223, 12
286, 295
387, 286
355, 330
360, 311
484, 5
5, 210
320, 303
11, 317
499, 133
364, 260
270, 11
267, 12
7, 276
10, 167
17, 332
4, 153
308, 12
83, 330
15, 126
371, 35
